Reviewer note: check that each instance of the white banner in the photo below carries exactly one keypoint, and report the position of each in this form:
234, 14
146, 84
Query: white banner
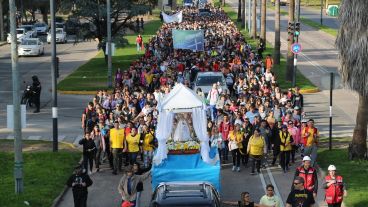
178, 17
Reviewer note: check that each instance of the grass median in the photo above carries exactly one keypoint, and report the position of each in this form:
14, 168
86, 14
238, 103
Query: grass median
45, 172
93, 75
280, 70
354, 174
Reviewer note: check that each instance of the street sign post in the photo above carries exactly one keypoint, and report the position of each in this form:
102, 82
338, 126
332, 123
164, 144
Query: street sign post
296, 48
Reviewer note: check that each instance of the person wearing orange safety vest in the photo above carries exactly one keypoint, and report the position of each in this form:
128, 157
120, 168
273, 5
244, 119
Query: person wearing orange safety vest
334, 188
309, 174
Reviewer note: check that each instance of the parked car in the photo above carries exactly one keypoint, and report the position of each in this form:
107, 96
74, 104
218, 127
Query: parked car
59, 25
31, 47
21, 34
41, 28
193, 194
30, 29
60, 34
205, 80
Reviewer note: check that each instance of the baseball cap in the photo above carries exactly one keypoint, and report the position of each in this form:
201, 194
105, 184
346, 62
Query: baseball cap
331, 167
306, 158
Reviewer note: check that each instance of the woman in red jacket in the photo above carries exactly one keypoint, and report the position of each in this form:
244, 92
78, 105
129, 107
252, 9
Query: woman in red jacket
334, 188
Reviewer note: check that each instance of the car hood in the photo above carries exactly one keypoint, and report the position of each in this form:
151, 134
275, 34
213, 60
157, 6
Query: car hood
28, 47
40, 28
20, 35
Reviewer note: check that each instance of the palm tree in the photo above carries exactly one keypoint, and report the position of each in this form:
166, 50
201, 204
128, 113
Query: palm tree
254, 19
276, 52
239, 11
263, 20
352, 45
243, 14
290, 55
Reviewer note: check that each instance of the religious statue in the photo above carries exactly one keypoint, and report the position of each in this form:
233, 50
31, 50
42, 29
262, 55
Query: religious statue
182, 131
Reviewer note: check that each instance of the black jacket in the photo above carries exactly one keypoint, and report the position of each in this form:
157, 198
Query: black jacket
89, 145
78, 180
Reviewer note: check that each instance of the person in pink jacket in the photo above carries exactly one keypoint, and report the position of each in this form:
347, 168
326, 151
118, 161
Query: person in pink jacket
295, 133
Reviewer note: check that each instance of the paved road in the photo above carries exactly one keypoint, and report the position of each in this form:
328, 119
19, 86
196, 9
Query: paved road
70, 107
315, 15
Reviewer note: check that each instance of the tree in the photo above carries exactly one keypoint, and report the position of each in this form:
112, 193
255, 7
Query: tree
243, 14
290, 55
254, 19
263, 21
276, 51
94, 11
352, 45
2, 33
239, 11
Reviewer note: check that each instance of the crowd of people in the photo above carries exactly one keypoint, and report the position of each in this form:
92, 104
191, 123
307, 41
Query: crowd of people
252, 117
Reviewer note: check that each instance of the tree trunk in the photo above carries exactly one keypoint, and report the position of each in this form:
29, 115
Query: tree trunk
243, 14
358, 146
44, 14
263, 21
239, 11
290, 55
254, 19
276, 52
223, 3
2, 34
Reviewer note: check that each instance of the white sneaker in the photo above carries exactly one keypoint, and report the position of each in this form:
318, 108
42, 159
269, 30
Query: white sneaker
238, 169
233, 168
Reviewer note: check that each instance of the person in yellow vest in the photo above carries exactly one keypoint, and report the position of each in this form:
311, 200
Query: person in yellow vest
255, 149
285, 147
133, 139
235, 138
117, 139
148, 146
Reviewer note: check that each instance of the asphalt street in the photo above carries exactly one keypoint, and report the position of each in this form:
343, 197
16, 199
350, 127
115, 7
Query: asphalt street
70, 107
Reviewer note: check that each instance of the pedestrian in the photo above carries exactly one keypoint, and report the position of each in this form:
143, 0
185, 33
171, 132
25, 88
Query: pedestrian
309, 175
212, 98
128, 185
99, 140
224, 128
148, 146
285, 148
79, 182
139, 171
335, 188
310, 138
255, 149
295, 134
87, 115
118, 77
270, 199
142, 24
117, 144
137, 26
139, 42
245, 201
299, 196
89, 151
36, 92
132, 140
235, 145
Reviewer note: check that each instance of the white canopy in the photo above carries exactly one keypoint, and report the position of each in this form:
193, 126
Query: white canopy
181, 99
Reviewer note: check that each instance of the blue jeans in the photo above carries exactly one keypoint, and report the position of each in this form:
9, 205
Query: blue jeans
133, 157
213, 111
225, 150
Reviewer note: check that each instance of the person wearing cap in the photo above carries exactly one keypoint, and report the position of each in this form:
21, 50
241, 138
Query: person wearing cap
117, 143
299, 196
309, 174
335, 188
285, 148
79, 182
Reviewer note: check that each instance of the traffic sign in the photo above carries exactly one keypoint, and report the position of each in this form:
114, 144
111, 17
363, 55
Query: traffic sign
296, 48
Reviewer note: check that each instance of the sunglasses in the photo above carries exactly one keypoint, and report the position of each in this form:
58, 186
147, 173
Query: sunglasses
297, 183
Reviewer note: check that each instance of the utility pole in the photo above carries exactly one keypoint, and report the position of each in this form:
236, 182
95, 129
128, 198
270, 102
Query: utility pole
263, 21
321, 21
17, 130
109, 50
290, 55
2, 35
53, 79
243, 15
296, 35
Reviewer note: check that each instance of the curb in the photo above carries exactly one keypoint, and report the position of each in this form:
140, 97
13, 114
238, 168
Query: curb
304, 91
80, 92
3, 43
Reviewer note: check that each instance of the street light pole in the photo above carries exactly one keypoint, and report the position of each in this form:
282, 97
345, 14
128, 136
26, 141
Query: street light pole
53, 79
17, 130
330, 126
109, 59
321, 12
297, 10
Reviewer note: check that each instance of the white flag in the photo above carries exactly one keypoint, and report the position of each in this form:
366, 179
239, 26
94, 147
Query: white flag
178, 17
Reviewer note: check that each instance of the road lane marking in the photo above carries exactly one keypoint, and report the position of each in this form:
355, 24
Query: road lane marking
263, 181
276, 188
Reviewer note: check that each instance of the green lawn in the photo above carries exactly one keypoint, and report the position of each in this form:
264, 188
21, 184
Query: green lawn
280, 70
354, 173
45, 175
93, 75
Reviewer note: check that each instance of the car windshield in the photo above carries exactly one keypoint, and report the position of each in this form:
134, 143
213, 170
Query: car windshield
59, 31
27, 28
39, 25
29, 42
208, 80
19, 31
